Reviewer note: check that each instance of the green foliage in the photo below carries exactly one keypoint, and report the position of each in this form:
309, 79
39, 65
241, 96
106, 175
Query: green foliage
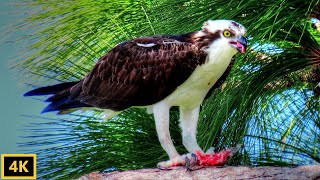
269, 102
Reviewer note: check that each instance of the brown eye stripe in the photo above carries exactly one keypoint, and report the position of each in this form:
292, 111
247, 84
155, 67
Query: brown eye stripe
205, 30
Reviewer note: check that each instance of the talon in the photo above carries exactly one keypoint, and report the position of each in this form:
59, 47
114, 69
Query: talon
187, 163
211, 150
162, 167
194, 158
168, 168
236, 149
191, 162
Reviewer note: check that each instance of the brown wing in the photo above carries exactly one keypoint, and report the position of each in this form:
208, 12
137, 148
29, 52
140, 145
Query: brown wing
138, 73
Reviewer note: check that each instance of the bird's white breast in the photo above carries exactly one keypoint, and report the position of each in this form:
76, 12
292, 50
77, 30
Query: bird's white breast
192, 92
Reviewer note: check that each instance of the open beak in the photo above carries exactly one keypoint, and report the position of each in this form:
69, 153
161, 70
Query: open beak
240, 44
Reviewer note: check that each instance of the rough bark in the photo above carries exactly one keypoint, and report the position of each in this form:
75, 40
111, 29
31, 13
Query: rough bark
228, 172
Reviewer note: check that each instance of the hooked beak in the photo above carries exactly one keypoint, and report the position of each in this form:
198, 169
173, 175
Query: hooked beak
240, 44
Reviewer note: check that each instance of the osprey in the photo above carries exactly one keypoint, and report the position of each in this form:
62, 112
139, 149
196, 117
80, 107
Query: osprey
156, 73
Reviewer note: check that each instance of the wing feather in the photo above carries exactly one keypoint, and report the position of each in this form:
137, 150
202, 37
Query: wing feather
134, 73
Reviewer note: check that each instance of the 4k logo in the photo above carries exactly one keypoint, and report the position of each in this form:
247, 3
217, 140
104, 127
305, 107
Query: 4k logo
18, 166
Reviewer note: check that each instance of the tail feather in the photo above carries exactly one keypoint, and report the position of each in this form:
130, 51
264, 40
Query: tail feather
60, 100
50, 89
63, 105
58, 96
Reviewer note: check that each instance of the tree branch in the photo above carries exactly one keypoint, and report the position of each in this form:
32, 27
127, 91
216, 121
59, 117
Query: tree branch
229, 172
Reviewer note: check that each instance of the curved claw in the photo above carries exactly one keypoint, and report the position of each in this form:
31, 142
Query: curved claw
211, 150
192, 161
168, 168
235, 149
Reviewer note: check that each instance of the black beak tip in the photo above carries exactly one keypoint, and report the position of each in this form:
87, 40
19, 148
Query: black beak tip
244, 42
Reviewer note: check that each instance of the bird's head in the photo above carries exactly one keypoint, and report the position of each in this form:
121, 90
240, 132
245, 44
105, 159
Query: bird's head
223, 33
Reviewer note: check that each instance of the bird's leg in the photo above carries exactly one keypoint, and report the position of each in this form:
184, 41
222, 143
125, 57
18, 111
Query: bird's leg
161, 116
189, 121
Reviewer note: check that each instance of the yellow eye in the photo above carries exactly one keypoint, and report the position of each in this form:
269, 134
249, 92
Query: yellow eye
226, 33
